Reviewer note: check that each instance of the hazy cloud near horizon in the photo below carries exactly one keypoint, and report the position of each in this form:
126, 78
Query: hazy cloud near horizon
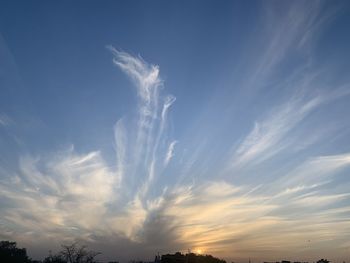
238, 151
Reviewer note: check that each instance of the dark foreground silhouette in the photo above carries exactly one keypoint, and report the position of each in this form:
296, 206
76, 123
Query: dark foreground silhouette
189, 258
73, 253
10, 253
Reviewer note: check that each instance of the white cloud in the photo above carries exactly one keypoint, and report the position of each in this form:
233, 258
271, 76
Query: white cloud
142, 156
69, 191
170, 152
271, 134
69, 195
146, 76
5, 120
264, 141
317, 170
219, 217
120, 137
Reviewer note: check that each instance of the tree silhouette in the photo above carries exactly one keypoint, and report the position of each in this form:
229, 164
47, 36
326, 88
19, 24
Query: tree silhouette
189, 258
54, 259
73, 253
10, 253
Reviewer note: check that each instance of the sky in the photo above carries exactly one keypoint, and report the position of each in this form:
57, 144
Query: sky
137, 127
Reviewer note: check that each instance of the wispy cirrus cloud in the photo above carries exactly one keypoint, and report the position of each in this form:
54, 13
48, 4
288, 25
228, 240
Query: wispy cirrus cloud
286, 28
143, 154
64, 196
317, 169
270, 135
5, 120
69, 195
264, 140
219, 217
82, 197
170, 152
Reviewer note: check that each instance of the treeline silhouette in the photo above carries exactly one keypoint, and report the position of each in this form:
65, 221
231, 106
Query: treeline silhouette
10, 253
189, 258
74, 253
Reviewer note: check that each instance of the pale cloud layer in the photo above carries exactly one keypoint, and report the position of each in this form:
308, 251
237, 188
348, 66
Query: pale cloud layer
68, 196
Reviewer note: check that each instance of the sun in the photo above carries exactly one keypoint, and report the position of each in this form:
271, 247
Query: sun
199, 251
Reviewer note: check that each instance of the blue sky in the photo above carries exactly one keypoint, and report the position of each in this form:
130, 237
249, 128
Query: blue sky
146, 126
